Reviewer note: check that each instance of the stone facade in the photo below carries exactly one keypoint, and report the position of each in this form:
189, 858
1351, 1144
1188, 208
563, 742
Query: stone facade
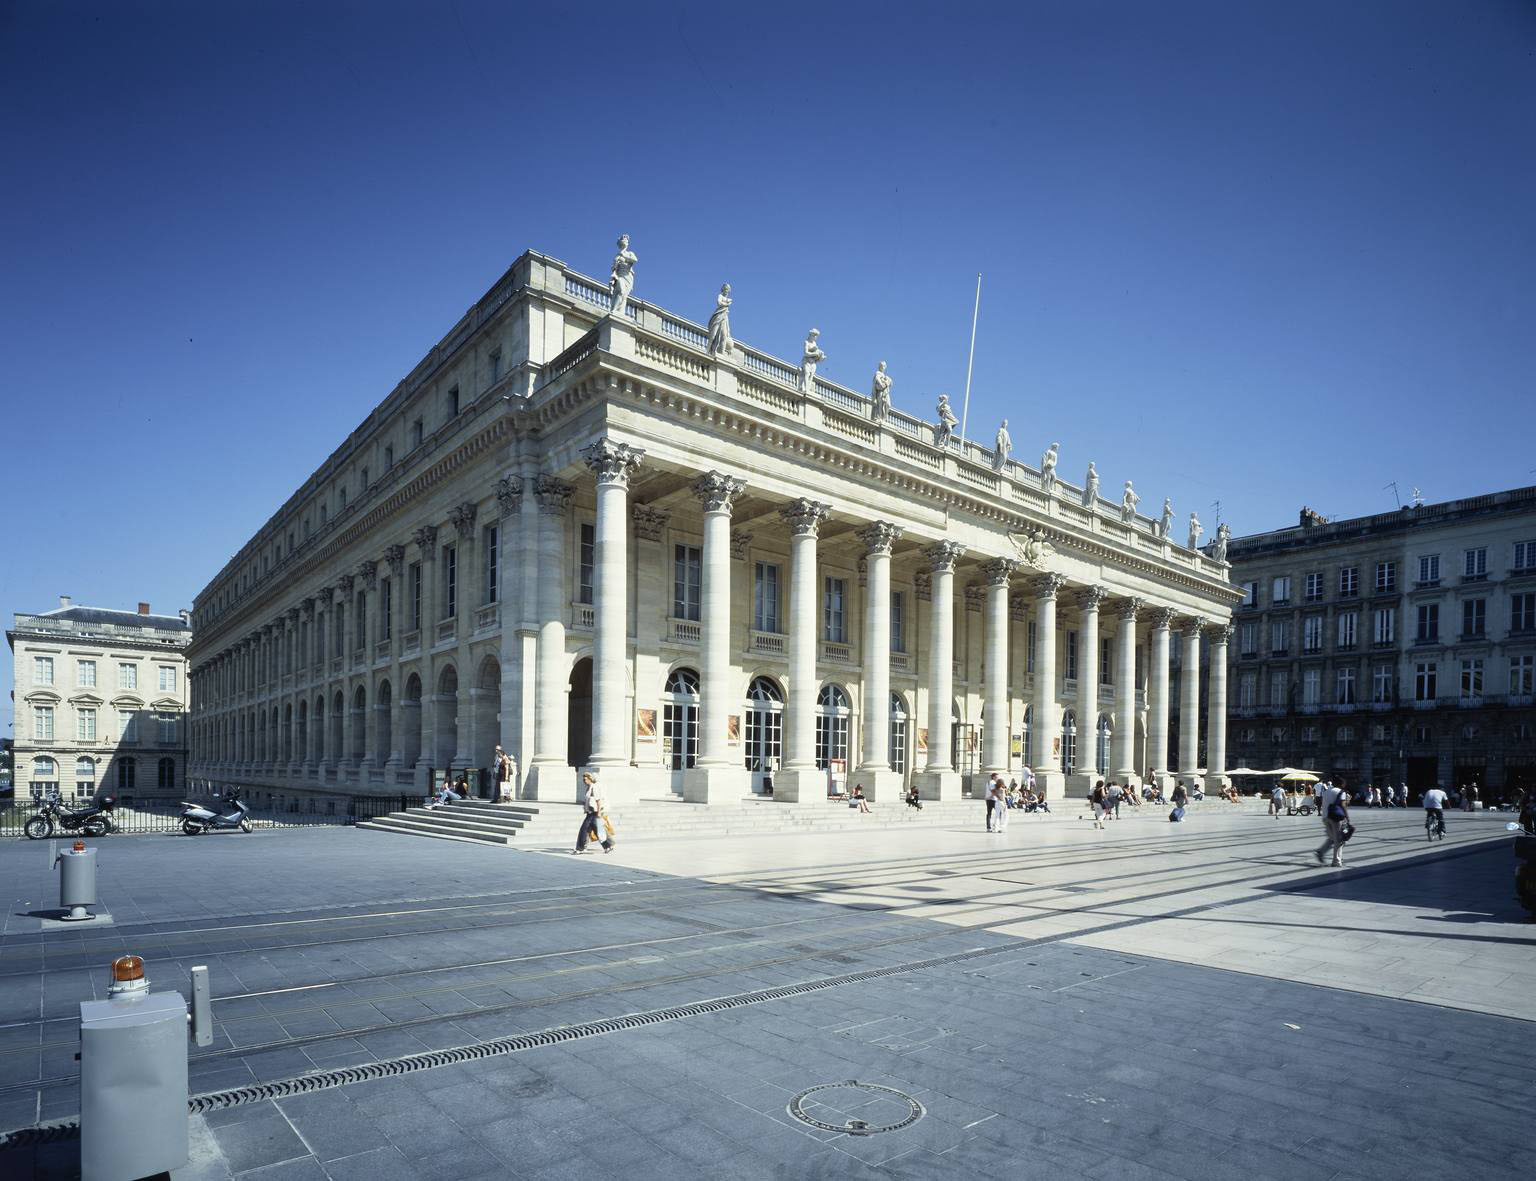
595, 541
1394, 647
101, 702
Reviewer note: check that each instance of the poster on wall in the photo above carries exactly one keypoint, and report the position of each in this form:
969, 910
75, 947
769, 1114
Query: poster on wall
922, 740
733, 728
837, 776
645, 725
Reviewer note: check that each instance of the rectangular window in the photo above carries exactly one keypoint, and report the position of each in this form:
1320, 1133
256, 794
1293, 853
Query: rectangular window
765, 599
360, 618
415, 592
165, 725
898, 622
42, 723
1345, 734
363, 483
450, 582
1429, 569
490, 542
1250, 594
1248, 690
1312, 686
453, 402
1522, 612
85, 674
128, 726
1279, 636
1312, 634
1424, 682
1386, 576
1248, 639
1475, 564
1524, 557
1029, 646
341, 497
1522, 674
586, 563
1347, 622
386, 609
389, 456
1474, 618
1344, 687
834, 621
1384, 625
416, 433
1106, 662
167, 679
1071, 656
85, 724
1472, 677
1280, 590
1277, 691
1381, 684
339, 644
1429, 623
495, 365
1349, 580
1314, 586
127, 676
42, 670
687, 581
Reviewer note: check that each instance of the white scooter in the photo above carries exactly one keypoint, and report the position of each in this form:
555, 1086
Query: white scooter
197, 819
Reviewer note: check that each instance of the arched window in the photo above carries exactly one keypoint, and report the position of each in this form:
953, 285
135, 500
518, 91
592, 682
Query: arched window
897, 756
1101, 748
680, 718
765, 724
832, 712
1068, 741
166, 775
126, 773
45, 776
85, 776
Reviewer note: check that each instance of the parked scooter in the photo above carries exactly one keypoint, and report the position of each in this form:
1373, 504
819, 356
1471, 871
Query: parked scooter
232, 813
95, 819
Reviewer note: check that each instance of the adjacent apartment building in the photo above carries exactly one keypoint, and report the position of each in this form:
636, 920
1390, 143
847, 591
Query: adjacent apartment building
101, 701
1400, 646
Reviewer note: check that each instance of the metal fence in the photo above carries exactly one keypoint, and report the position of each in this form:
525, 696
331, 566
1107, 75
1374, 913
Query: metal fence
164, 816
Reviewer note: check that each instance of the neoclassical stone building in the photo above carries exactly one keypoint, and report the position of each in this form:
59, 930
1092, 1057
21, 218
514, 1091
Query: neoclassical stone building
613, 537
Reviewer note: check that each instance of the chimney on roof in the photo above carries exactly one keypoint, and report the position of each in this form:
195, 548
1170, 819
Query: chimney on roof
143, 608
63, 600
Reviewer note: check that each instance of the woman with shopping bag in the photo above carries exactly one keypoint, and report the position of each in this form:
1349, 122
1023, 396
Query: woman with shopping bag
593, 820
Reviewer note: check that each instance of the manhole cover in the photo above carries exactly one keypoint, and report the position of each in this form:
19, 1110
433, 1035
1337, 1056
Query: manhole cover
858, 1109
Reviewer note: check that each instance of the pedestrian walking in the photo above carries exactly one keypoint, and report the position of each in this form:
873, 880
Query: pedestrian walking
591, 816
1000, 810
1098, 800
991, 798
1276, 801
1334, 804
1113, 795
503, 768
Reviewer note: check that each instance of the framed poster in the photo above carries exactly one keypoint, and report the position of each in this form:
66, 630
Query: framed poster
922, 739
645, 725
733, 728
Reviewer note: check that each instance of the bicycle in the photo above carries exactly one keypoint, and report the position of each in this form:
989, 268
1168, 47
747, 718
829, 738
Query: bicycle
1434, 824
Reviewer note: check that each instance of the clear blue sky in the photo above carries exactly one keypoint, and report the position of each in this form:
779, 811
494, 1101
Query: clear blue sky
1266, 254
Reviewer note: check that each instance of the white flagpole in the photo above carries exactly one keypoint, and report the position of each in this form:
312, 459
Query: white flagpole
965, 409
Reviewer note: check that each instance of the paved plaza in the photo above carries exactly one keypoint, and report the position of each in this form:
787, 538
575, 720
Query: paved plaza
1196, 1000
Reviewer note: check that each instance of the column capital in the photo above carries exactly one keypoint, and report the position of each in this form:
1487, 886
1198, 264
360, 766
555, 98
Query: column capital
324, 595
804, 516
998, 571
307, 609
344, 584
1128, 607
1091, 598
716, 491
611, 462
554, 495
1161, 617
1219, 633
463, 518
395, 556
649, 522
1046, 585
509, 490
878, 537
369, 573
426, 540
291, 615
942, 555
739, 543
1191, 625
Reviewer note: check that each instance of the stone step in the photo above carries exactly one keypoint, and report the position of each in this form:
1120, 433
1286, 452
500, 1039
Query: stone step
441, 818
397, 824
485, 807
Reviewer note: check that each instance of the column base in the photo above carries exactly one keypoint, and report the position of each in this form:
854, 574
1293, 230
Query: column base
717, 785
800, 785
938, 784
1124, 779
1215, 784
879, 783
552, 781
1051, 784
1080, 783
1189, 781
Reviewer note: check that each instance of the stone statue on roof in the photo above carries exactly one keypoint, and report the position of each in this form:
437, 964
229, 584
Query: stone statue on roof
1002, 447
720, 323
621, 279
808, 361
944, 432
1091, 487
880, 394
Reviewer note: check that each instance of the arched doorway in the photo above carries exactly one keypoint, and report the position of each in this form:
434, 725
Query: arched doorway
486, 702
897, 756
338, 706
445, 721
320, 745
578, 717
765, 729
410, 722
833, 711
680, 723
85, 776
1068, 742
1101, 745
359, 750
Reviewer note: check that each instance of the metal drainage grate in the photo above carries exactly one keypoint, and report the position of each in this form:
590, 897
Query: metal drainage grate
856, 1096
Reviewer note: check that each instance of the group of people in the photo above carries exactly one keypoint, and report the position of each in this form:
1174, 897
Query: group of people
1001, 798
503, 771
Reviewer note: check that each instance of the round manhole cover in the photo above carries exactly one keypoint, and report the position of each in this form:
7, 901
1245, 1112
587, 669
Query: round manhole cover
855, 1108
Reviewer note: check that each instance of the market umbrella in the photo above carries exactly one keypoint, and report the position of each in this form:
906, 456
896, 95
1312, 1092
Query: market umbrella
1300, 777
1246, 771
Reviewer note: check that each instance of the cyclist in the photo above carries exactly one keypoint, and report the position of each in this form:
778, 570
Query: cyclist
1434, 813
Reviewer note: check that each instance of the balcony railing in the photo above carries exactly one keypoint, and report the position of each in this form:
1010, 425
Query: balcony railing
683, 631
447, 629
410, 643
767, 643
381, 650
900, 662
583, 616
487, 617
834, 653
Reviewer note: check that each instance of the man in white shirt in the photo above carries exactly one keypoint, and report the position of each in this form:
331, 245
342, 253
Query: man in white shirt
1277, 800
1434, 812
1334, 804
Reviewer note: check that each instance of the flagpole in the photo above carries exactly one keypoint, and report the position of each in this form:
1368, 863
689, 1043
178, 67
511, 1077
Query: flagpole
965, 410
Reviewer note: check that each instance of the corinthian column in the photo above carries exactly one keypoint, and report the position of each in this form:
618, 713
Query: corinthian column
715, 778
994, 706
1189, 703
800, 781
1157, 694
1123, 745
874, 771
612, 463
1216, 723
1047, 710
939, 780
548, 777
1085, 770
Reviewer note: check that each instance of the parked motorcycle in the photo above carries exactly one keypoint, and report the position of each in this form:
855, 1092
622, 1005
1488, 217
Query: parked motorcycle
94, 820
231, 813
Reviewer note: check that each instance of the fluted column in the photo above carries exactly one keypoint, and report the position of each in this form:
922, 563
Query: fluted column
547, 777
994, 705
874, 771
1123, 742
1216, 723
939, 779
1047, 710
612, 464
1189, 702
800, 781
1085, 771
716, 777
1157, 693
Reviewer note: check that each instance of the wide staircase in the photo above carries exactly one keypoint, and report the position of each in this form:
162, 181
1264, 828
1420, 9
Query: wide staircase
470, 820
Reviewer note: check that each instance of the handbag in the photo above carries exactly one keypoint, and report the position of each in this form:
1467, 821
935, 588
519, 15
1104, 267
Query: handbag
1346, 831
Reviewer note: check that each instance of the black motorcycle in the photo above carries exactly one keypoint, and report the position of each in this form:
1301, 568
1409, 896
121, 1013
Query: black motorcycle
94, 820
